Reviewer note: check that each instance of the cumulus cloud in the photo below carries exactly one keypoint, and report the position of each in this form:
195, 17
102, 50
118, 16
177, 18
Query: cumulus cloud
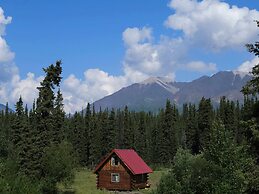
200, 66
247, 66
212, 23
96, 84
7, 67
143, 57
27, 88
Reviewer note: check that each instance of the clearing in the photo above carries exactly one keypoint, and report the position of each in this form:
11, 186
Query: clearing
85, 183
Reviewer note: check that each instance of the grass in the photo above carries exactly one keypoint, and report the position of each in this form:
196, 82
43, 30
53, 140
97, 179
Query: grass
85, 183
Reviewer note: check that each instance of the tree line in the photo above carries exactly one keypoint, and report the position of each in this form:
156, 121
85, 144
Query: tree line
44, 141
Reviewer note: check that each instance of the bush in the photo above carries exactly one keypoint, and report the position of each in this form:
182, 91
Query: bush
224, 168
59, 163
11, 182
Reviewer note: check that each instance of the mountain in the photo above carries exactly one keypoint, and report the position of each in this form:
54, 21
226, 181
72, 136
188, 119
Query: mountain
151, 94
2, 107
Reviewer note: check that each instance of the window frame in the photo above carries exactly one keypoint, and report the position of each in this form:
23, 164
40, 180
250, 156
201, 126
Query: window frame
113, 161
115, 175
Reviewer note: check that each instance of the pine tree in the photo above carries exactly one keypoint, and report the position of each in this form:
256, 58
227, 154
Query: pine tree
58, 117
141, 137
112, 138
205, 118
18, 126
87, 129
128, 138
192, 138
168, 141
45, 123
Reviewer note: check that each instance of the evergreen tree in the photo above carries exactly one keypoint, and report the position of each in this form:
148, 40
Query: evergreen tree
141, 137
192, 138
18, 126
127, 130
95, 138
111, 131
59, 117
205, 118
168, 145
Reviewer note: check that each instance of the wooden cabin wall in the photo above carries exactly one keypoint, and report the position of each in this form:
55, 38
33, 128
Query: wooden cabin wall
104, 177
139, 181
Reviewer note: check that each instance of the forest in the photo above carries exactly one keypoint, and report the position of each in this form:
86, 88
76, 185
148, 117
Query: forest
208, 149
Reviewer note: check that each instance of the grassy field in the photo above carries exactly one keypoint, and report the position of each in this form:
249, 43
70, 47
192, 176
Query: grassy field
85, 183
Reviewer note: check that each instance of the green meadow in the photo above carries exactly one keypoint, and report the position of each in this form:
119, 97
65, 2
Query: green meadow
85, 183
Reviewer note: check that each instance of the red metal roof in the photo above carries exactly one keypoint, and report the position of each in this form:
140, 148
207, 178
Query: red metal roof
131, 159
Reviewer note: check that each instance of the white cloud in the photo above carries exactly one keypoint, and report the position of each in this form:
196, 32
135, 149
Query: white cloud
3, 21
247, 66
200, 66
5, 54
143, 57
27, 88
7, 67
95, 85
132, 36
140, 53
213, 24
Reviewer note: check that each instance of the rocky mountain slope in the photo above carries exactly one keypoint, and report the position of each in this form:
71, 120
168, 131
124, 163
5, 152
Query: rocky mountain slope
151, 94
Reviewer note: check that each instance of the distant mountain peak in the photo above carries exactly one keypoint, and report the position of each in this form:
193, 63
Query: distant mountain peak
158, 80
164, 82
152, 93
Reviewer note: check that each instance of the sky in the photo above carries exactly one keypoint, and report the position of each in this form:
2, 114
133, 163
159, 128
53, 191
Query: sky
106, 45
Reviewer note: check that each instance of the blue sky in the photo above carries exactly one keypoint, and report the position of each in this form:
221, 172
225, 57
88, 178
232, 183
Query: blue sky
84, 34
106, 45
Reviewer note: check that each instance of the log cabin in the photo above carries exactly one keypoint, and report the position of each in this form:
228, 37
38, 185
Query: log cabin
122, 169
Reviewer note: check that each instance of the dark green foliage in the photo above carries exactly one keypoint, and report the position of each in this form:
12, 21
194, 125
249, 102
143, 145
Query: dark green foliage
223, 168
168, 140
58, 117
205, 118
14, 182
236, 164
127, 130
189, 174
59, 162
191, 130
79, 136
111, 131
36, 153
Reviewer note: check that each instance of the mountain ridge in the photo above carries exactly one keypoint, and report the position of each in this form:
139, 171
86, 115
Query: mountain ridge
152, 93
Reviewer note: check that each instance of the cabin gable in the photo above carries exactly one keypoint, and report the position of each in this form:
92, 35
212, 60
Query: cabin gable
114, 175
122, 170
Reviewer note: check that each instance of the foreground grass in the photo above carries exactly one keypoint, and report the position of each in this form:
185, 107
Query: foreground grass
85, 183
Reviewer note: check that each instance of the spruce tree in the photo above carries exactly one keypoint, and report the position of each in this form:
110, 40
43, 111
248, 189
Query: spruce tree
205, 118
58, 117
45, 109
168, 145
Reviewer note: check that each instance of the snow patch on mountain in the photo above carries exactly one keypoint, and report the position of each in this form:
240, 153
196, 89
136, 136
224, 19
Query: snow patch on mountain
164, 82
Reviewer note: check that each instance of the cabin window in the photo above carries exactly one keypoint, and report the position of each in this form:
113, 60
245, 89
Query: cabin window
115, 177
115, 161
